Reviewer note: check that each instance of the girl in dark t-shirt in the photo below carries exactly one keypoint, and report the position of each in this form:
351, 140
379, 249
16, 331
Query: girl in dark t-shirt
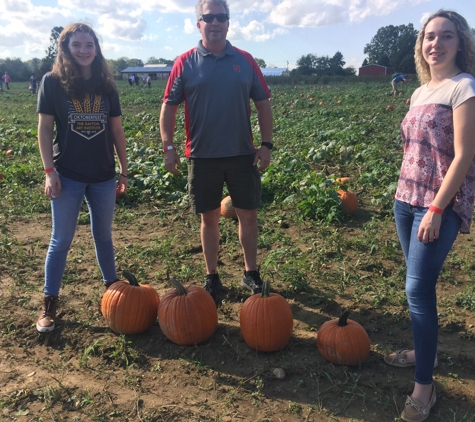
79, 96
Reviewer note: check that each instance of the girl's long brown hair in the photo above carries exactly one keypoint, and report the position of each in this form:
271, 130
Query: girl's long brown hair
69, 74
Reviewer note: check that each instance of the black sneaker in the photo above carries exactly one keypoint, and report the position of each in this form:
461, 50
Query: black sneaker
252, 280
213, 286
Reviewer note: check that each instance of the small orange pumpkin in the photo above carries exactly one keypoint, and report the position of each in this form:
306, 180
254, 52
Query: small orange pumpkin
266, 321
187, 316
390, 107
349, 202
343, 180
130, 307
343, 341
9, 152
227, 208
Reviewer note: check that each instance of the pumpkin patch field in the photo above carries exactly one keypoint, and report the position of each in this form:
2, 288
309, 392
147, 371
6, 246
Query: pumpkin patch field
327, 243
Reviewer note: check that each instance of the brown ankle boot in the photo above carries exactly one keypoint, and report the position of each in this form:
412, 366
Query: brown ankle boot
48, 314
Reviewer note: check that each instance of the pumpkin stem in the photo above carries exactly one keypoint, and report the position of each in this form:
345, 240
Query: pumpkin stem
343, 321
130, 278
177, 285
265, 289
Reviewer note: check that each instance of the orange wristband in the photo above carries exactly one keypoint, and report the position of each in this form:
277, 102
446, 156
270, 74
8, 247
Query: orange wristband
435, 209
51, 169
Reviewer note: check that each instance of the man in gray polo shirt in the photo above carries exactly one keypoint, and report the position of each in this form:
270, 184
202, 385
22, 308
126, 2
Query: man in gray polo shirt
216, 81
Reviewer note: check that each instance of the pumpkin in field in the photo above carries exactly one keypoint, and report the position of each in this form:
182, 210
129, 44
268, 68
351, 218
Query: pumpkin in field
266, 321
349, 202
343, 180
390, 107
227, 208
9, 152
187, 316
343, 341
130, 307
408, 101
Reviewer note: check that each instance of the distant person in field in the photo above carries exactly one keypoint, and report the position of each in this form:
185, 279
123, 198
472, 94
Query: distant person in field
436, 188
33, 83
80, 98
218, 81
395, 81
6, 78
149, 81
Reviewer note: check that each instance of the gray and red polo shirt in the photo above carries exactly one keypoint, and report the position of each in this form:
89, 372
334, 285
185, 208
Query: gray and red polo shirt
217, 93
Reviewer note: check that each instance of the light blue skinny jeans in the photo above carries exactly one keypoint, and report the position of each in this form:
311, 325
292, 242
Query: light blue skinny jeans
424, 262
100, 199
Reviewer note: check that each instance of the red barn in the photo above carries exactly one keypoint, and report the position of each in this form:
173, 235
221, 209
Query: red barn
375, 70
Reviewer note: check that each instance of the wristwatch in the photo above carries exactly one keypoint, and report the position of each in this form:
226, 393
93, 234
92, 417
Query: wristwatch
168, 148
269, 145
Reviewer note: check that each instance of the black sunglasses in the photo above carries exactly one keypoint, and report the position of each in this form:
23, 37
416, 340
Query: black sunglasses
209, 17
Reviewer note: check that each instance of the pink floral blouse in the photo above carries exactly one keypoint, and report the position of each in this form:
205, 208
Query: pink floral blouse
428, 140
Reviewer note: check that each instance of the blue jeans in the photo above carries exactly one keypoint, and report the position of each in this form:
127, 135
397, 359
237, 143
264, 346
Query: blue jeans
100, 199
424, 262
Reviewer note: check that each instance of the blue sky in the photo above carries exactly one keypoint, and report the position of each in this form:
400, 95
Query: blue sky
278, 31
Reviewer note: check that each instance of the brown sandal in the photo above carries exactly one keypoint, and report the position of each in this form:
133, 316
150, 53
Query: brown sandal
399, 359
415, 411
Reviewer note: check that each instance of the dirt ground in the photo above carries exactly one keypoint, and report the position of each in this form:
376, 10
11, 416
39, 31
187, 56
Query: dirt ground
84, 372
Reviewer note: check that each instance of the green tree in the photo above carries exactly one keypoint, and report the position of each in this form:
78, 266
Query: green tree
17, 70
306, 65
260, 62
393, 46
52, 51
161, 60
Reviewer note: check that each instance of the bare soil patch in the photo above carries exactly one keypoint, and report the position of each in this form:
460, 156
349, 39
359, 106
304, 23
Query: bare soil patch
82, 371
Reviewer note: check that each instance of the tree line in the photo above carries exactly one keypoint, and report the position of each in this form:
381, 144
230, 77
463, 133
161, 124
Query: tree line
392, 46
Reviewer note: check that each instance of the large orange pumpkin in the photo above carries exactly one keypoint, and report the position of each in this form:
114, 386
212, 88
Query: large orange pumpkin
130, 307
343, 341
266, 321
227, 208
349, 201
187, 316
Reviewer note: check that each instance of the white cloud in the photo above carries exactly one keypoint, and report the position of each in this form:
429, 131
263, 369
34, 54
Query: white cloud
313, 13
189, 27
253, 31
123, 27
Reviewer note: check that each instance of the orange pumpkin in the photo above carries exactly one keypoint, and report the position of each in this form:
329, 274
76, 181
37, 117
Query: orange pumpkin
9, 152
343, 180
227, 208
343, 341
130, 307
390, 107
266, 321
349, 202
187, 316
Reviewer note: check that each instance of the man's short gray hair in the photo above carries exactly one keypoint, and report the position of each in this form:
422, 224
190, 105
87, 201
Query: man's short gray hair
199, 6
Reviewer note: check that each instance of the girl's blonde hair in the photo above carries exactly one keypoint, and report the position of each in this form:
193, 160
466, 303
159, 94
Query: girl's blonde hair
465, 58
68, 72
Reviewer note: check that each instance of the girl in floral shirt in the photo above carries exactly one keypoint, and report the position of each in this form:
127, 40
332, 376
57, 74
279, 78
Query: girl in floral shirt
435, 193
